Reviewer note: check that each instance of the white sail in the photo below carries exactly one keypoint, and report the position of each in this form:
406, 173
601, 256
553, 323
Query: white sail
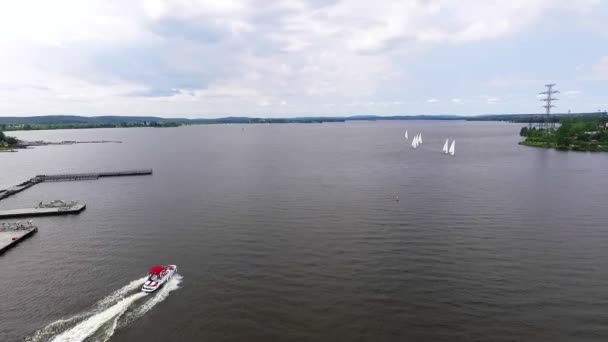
452, 150
445, 147
420, 137
414, 145
406, 137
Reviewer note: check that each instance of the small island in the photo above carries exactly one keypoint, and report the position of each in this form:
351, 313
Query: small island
583, 133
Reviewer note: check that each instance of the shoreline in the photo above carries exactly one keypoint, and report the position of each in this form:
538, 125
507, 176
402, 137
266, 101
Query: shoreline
572, 147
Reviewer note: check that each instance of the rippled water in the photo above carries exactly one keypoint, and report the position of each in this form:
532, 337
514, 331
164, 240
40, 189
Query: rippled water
292, 232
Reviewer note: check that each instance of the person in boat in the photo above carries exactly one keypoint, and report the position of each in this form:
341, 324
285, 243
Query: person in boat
155, 273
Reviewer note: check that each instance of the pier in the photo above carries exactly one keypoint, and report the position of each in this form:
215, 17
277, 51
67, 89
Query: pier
42, 211
11, 235
90, 175
17, 188
69, 177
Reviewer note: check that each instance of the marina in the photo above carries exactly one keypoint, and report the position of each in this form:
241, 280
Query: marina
13, 233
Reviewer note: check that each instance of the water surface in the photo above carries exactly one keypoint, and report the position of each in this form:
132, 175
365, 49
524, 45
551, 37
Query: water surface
292, 232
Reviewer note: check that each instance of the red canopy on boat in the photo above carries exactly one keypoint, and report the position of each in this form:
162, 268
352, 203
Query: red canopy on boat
156, 269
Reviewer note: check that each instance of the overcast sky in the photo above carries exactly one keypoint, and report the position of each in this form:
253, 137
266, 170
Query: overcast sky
203, 58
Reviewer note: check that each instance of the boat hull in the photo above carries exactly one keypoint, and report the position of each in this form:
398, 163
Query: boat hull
152, 285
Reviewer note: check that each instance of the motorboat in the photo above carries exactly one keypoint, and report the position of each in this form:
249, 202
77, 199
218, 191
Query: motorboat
157, 277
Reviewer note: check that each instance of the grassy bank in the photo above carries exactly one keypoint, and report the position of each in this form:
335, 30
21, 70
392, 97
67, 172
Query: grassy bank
575, 134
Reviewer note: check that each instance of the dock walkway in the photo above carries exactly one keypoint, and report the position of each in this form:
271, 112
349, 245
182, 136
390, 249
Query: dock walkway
9, 238
10, 213
69, 177
90, 175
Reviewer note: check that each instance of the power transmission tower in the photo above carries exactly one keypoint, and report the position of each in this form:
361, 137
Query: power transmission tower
548, 105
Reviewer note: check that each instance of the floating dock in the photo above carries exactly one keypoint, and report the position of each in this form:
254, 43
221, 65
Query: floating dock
10, 213
9, 238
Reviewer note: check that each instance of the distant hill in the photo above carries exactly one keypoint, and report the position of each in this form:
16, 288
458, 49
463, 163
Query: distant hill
76, 119
115, 120
525, 118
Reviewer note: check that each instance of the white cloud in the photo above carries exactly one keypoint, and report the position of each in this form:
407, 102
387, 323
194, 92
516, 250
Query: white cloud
493, 100
572, 93
205, 57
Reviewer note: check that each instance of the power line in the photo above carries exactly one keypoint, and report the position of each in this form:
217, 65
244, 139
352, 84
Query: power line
548, 105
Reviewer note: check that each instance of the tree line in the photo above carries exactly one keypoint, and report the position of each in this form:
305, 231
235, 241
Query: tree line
588, 133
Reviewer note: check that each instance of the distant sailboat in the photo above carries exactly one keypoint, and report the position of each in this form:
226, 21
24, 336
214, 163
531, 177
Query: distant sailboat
420, 137
414, 143
452, 150
406, 137
445, 146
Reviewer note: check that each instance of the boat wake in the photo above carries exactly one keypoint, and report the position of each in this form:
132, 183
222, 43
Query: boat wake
118, 309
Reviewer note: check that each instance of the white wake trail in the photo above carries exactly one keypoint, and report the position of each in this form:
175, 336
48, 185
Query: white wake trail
120, 293
159, 296
60, 325
87, 327
106, 314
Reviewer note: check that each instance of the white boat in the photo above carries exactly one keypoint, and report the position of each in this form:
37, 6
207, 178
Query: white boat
157, 277
445, 146
420, 137
452, 149
406, 137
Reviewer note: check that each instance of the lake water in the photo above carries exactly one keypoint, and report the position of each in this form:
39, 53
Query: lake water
292, 232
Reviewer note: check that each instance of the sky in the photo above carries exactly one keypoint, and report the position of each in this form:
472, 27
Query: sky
286, 58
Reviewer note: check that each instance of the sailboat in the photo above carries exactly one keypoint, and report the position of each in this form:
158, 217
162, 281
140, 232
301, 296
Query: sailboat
406, 137
445, 146
414, 142
420, 137
452, 149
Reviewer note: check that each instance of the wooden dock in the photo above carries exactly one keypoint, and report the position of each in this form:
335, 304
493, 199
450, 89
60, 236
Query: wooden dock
90, 175
10, 213
69, 177
17, 188
10, 238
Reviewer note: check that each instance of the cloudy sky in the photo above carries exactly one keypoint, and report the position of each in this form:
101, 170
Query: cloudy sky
212, 58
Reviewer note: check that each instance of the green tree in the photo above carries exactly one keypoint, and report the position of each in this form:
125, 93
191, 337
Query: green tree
11, 141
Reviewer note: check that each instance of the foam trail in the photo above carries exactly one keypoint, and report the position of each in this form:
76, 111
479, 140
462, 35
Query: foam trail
100, 322
120, 293
87, 327
159, 296
58, 326
55, 328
